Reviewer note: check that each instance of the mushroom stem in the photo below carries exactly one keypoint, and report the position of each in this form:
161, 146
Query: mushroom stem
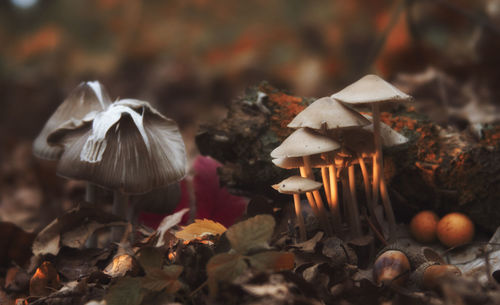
379, 164
334, 206
388, 208
317, 197
120, 208
369, 200
309, 195
90, 197
366, 182
300, 218
326, 185
90, 192
346, 199
354, 211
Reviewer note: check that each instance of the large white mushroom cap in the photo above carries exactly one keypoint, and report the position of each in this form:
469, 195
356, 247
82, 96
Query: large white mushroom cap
370, 89
129, 147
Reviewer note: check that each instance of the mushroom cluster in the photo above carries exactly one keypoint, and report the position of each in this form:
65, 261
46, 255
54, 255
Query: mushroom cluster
126, 146
332, 136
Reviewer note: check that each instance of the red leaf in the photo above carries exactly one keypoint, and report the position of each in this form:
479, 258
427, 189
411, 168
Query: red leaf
213, 201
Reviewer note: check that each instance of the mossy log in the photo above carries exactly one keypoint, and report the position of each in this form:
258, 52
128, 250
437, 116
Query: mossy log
442, 169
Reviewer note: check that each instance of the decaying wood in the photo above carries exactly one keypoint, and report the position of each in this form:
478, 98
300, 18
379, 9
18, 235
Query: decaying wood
440, 168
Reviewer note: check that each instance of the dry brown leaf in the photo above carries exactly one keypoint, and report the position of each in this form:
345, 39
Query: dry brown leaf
45, 280
123, 264
200, 228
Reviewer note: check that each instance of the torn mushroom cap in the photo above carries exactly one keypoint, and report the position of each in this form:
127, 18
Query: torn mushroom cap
328, 113
370, 89
129, 147
297, 185
304, 142
88, 97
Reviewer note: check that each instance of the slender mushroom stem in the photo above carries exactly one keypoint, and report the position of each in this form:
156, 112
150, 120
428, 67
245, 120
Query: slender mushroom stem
326, 185
317, 197
346, 200
334, 207
379, 164
90, 192
300, 218
309, 195
120, 208
388, 208
366, 182
90, 197
354, 203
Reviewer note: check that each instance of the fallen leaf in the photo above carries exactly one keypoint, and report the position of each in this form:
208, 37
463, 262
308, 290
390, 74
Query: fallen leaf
167, 223
121, 265
45, 280
73, 229
272, 260
252, 233
74, 264
150, 258
224, 267
166, 278
125, 291
308, 246
200, 228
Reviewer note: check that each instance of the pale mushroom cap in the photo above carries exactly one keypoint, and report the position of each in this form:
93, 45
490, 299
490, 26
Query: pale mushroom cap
87, 97
329, 113
389, 136
370, 89
295, 162
361, 140
124, 149
297, 185
304, 142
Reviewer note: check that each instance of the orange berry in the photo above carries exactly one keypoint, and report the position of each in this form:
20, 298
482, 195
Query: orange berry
423, 226
455, 229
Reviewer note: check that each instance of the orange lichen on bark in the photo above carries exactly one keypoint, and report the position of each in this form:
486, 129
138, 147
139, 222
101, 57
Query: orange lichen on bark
289, 106
492, 137
398, 122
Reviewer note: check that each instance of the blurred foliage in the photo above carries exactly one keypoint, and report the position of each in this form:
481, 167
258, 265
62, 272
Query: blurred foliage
196, 53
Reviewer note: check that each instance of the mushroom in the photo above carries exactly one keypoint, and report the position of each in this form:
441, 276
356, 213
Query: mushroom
78, 108
130, 148
295, 186
328, 116
303, 143
372, 89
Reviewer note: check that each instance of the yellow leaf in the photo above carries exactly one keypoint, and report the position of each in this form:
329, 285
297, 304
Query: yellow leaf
200, 228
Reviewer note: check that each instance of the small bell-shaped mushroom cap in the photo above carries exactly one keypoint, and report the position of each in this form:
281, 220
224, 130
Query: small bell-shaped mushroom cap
88, 97
304, 142
297, 185
295, 162
329, 113
132, 149
370, 89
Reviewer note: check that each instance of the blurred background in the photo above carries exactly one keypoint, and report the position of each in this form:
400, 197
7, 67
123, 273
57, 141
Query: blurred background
190, 58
